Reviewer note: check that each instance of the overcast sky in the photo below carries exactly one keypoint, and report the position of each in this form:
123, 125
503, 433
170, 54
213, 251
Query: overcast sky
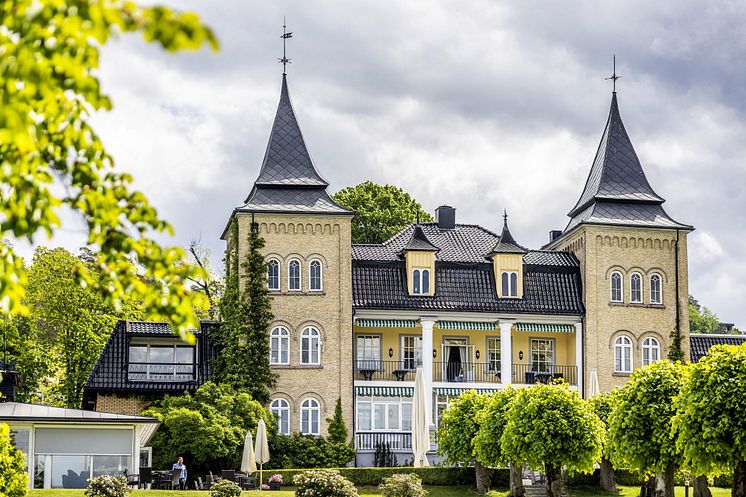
483, 105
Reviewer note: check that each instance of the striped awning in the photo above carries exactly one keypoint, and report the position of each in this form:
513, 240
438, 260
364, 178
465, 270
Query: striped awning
459, 391
547, 328
466, 325
386, 391
387, 323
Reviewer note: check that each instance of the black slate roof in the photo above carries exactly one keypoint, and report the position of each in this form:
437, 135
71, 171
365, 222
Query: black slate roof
507, 244
110, 372
617, 191
464, 278
419, 241
700, 344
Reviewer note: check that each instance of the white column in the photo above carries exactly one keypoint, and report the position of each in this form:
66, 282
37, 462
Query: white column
427, 360
579, 357
506, 353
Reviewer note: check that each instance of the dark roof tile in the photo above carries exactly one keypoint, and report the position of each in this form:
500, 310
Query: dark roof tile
700, 344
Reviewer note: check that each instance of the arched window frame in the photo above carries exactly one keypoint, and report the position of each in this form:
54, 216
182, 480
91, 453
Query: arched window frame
636, 294
310, 346
421, 281
623, 357
656, 294
281, 409
310, 417
425, 282
651, 351
273, 280
509, 283
279, 343
315, 282
295, 275
616, 286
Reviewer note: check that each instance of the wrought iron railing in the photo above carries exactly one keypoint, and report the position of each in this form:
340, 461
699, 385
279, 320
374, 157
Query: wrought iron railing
466, 372
369, 369
160, 371
529, 374
370, 440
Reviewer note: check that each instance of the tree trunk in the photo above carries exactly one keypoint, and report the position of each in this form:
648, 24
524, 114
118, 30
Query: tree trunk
647, 489
664, 486
739, 480
554, 480
516, 481
700, 487
608, 482
484, 477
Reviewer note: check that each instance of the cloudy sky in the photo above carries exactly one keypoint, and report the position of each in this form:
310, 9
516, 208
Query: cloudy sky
483, 105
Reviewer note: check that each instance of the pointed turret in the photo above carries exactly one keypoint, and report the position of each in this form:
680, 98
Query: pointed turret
419, 242
617, 191
506, 244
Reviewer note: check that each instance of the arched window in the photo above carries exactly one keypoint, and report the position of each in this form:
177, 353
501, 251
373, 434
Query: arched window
623, 354
273, 274
509, 284
421, 281
310, 345
616, 286
426, 282
315, 277
309, 417
635, 288
294, 275
656, 289
281, 409
279, 346
651, 351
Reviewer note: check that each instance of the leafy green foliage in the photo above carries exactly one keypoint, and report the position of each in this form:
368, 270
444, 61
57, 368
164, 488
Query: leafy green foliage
640, 435
430, 475
337, 427
243, 336
492, 421
458, 427
323, 483
225, 488
52, 159
675, 350
381, 211
13, 477
107, 486
551, 426
306, 451
402, 485
207, 428
709, 422
701, 318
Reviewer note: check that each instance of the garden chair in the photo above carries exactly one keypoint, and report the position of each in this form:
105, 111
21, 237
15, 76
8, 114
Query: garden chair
146, 477
175, 477
229, 474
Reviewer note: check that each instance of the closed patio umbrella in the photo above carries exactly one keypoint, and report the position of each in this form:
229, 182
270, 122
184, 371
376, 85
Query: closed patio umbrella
261, 449
420, 421
594, 388
248, 462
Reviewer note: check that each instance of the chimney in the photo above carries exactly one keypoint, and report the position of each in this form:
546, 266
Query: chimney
445, 216
554, 234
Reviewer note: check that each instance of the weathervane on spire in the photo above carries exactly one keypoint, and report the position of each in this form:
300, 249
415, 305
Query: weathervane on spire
284, 60
613, 76
505, 216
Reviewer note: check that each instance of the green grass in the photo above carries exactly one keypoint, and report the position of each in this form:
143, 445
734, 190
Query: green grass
373, 492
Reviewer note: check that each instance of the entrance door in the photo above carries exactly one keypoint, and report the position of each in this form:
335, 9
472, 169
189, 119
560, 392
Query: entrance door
457, 356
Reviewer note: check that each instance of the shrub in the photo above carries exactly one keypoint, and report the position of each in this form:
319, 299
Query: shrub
225, 488
13, 477
402, 485
323, 483
431, 475
308, 452
107, 486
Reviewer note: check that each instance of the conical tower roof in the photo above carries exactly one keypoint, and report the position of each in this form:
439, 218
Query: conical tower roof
419, 241
506, 244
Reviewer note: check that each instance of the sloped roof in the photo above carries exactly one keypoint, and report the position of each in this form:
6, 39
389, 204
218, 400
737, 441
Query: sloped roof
700, 344
419, 241
15, 411
507, 244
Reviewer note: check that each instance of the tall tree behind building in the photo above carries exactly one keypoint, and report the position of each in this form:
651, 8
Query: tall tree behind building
703, 320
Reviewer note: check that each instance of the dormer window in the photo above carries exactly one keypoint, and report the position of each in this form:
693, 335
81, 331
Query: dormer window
421, 281
161, 362
509, 284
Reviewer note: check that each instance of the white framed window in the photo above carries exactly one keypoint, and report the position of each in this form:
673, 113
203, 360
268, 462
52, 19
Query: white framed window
421, 281
281, 409
651, 351
294, 279
635, 288
493, 355
411, 352
509, 282
656, 289
623, 354
161, 362
368, 352
617, 290
315, 276
279, 345
273, 274
310, 346
310, 413
384, 413
542, 355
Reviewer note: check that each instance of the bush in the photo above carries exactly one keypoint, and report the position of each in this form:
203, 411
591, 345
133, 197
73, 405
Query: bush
402, 485
323, 483
13, 477
225, 488
107, 486
433, 475
305, 451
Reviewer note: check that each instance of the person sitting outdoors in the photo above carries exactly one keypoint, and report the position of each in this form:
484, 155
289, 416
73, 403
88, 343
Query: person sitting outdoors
179, 464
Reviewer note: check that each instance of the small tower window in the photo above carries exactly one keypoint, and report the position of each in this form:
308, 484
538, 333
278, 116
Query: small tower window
635, 288
273, 274
509, 284
315, 276
651, 351
294, 275
656, 292
421, 282
623, 354
616, 286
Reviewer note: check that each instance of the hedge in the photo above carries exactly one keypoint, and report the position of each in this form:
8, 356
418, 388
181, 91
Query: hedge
433, 475
629, 478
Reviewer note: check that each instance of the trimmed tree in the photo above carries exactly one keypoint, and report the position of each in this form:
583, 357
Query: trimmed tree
337, 428
602, 404
488, 442
550, 426
640, 435
712, 434
243, 336
457, 429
